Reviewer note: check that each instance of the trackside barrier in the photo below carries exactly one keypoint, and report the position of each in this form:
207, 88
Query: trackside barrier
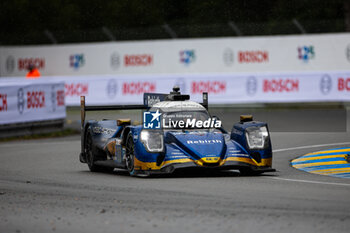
28, 107
297, 53
222, 88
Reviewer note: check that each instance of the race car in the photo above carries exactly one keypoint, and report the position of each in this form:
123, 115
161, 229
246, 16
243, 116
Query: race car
176, 133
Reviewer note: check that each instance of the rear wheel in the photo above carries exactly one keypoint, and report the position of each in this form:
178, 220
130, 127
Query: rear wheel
91, 156
130, 155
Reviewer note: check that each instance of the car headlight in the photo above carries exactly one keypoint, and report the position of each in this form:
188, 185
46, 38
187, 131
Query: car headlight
257, 137
152, 140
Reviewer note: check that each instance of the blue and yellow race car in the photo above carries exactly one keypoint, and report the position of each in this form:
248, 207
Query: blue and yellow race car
176, 133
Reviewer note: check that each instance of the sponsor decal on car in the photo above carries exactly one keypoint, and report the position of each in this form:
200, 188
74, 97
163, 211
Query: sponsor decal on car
214, 141
151, 120
152, 99
102, 130
191, 123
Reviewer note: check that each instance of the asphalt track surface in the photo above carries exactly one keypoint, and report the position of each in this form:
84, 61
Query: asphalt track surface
44, 188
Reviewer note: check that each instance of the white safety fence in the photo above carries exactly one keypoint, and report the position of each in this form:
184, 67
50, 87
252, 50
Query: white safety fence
295, 53
24, 101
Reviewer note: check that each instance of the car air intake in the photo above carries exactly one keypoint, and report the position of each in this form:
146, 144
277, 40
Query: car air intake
210, 164
256, 156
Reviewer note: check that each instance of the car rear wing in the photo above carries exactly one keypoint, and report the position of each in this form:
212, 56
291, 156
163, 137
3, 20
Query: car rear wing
149, 99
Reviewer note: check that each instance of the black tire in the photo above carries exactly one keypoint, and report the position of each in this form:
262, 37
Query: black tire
130, 155
248, 172
90, 154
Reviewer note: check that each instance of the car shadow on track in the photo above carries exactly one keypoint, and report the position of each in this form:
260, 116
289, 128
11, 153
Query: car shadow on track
193, 173
184, 173
204, 174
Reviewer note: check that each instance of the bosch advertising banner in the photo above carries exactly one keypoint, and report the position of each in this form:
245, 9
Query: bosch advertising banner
26, 101
222, 89
298, 53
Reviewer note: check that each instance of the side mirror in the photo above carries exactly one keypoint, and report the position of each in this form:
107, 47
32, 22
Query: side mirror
215, 118
245, 118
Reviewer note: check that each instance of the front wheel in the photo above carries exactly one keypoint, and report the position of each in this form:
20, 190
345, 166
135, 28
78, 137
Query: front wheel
91, 156
130, 155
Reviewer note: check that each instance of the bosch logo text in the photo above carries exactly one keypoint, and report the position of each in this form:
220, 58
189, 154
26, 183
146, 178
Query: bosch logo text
37, 62
3, 102
214, 87
135, 88
60, 98
253, 57
214, 141
35, 99
343, 84
77, 89
138, 60
281, 85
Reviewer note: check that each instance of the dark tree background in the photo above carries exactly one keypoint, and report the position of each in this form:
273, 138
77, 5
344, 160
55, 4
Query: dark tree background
23, 17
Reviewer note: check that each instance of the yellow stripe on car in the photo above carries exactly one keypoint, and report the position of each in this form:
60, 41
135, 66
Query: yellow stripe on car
140, 165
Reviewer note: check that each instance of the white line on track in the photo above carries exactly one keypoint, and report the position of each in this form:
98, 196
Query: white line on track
312, 146
307, 147
308, 181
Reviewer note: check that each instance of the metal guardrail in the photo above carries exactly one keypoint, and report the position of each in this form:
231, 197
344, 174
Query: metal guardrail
31, 128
